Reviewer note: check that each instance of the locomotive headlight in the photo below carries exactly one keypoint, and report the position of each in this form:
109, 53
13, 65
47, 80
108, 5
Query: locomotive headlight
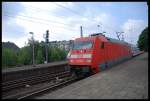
73, 56
87, 56
88, 60
81, 56
71, 61
68, 55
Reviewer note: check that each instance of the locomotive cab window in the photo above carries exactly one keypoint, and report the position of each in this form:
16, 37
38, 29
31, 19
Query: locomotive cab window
102, 45
83, 45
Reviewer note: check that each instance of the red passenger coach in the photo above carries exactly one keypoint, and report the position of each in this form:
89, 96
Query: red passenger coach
95, 53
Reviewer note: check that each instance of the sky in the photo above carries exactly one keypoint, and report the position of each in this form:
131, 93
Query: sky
63, 20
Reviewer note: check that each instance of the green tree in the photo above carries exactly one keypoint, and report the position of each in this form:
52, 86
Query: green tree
143, 40
36, 46
25, 56
39, 58
62, 54
56, 54
9, 58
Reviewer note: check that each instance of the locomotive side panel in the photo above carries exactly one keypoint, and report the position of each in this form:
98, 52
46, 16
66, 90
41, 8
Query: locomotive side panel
101, 64
113, 54
95, 57
102, 54
98, 55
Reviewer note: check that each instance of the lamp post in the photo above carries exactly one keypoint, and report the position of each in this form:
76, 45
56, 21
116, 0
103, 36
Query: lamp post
32, 46
98, 26
81, 32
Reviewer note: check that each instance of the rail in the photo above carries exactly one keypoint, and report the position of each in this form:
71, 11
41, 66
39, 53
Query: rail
31, 77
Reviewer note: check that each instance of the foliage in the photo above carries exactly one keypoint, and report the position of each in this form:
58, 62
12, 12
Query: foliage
9, 58
39, 58
143, 40
24, 56
10, 45
56, 54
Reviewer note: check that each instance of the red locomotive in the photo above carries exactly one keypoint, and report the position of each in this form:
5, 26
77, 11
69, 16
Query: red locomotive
95, 53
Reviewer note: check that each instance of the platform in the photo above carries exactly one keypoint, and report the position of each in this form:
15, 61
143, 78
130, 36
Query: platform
128, 80
31, 67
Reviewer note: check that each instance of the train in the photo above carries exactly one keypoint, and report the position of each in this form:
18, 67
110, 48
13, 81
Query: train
135, 51
95, 53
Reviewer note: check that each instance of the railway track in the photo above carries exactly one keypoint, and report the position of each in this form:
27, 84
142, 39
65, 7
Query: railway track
35, 87
35, 81
6, 86
11, 74
48, 88
18, 83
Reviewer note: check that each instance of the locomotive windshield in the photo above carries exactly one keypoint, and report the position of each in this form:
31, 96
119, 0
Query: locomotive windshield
82, 45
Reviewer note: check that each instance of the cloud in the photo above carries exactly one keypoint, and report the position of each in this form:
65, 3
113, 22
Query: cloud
46, 11
16, 29
37, 17
107, 24
66, 4
51, 8
41, 26
46, 14
13, 7
44, 5
20, 42
12, 31
132, 29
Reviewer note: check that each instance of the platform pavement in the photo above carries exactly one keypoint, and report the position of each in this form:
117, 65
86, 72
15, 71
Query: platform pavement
128, 80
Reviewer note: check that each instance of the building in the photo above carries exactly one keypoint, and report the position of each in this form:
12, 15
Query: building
66, 45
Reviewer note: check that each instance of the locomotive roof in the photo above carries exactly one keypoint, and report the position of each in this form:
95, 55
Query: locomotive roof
84, 39
103, 38
116, 41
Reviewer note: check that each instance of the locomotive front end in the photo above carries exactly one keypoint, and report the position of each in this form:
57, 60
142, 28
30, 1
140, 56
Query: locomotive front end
80, 57
81, 53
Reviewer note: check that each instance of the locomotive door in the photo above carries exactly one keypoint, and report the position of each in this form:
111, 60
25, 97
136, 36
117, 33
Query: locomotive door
103, 64
105, 54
